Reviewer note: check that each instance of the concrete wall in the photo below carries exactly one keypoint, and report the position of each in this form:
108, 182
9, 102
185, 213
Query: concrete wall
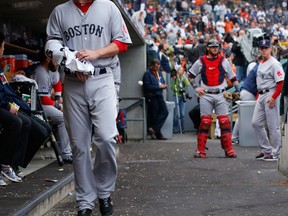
133, 66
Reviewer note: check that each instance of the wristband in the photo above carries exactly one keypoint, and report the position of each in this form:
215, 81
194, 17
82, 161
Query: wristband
194, 85
57, 97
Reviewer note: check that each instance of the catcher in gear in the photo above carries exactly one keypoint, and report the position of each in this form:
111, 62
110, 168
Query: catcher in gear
213, 68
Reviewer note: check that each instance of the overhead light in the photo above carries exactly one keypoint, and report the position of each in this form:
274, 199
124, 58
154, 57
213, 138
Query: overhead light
26, 4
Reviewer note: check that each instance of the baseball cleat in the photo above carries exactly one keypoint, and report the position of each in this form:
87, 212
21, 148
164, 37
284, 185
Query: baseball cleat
106, 206
230, 154
199, 154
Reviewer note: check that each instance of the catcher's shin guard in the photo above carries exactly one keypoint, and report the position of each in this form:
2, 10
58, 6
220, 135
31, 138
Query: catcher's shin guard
226, 136
202, 136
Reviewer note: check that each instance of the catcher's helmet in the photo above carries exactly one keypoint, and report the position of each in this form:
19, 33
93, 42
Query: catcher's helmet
213, 43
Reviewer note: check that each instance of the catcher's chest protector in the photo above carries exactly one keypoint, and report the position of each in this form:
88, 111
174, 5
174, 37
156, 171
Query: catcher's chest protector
212, 71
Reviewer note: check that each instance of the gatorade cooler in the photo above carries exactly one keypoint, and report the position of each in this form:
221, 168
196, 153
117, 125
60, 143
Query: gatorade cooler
30, 62
21, 61
9, 63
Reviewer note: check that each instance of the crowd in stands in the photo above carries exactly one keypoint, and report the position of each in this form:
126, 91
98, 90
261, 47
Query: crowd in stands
195, 22
183, 27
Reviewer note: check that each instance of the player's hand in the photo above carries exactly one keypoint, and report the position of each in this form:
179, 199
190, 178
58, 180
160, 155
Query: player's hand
60, 100
87, 55
13, 110
163, 86
200, 91
271, 102
81, 76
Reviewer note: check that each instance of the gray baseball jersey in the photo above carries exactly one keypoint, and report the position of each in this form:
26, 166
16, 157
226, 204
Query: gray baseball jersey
45, 80
82, 31
269, 73
92, 102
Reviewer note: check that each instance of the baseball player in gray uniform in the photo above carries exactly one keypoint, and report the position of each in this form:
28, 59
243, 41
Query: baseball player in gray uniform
270, 76
97, 32
48, 79
213, 69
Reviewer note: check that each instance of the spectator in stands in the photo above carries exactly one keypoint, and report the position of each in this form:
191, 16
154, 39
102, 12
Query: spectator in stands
197, 51
239, 58
179, 6
164, 60
208, 8
47, 78
128, 6
149, 19
22, 135
139, 5
218, 10
220, 26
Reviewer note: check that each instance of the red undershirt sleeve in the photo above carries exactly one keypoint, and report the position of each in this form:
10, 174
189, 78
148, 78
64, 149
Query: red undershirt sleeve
46, 100
278, 89
58, 88
123, 47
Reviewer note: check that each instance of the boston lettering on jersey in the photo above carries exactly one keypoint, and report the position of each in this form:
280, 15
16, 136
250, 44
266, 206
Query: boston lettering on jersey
86, 29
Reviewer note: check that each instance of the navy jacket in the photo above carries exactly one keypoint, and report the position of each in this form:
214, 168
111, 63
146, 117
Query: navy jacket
7, 95
250, 81
151, 84
165, 65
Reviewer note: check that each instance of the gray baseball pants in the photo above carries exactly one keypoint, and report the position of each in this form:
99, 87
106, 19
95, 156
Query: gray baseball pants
262, 115
56, 116
88, 103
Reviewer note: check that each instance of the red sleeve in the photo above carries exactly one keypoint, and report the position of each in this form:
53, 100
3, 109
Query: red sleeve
123, 47
278, 89
257, 96
46, 100
58, 88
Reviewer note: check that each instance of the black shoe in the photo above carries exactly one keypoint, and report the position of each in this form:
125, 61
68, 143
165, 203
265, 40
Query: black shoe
85, 212
106, 206
68, 160
260, 156
161, 137
152, 133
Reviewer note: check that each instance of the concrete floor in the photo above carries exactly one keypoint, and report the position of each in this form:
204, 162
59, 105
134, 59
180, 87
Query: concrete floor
163, 178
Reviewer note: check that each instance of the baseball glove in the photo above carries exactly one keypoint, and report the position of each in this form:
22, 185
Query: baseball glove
232, 96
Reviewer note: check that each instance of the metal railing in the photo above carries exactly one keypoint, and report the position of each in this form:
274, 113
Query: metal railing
140, 101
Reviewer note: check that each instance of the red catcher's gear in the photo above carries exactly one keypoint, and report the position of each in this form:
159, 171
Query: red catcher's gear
212, 71
204, 127
226, 136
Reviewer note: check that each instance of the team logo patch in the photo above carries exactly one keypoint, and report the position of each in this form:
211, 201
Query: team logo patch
279, 74
124, 28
